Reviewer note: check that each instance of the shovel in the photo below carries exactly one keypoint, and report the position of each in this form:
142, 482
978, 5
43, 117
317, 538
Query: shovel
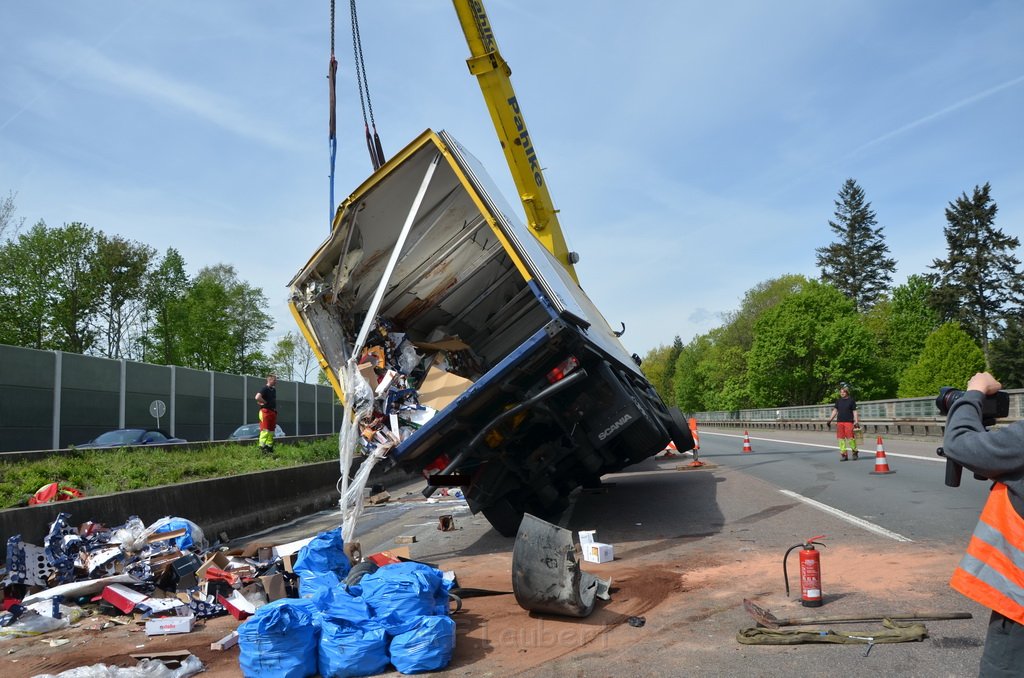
765, 618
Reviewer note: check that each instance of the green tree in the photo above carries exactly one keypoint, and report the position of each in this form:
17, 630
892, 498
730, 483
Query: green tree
950, 357
979, 282
284, 355
26, 266
900, 326
226, 322
654, 366
805, 345
8, 220
1008, 353
670, 367
164, 290
738, 328
688, 382
50, 288
856, 263
122, 266
723, 372
721, 365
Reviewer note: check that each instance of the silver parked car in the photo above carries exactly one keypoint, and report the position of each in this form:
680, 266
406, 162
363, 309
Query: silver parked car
252, 432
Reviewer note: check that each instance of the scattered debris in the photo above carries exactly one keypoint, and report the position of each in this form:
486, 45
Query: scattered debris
226, 642
764, 617
405, 539
636, 621
446, 523
546, 575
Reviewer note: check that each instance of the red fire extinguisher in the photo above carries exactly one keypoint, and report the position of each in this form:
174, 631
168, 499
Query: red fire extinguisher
810, 572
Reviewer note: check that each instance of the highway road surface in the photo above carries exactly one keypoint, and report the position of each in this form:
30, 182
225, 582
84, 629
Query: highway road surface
690, 545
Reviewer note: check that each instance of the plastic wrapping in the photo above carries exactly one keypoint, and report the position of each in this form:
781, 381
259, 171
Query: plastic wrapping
131, 535
147, 668
31, 623
322, 563
423, 644
280, 640
193, 537
408, 357
352, 650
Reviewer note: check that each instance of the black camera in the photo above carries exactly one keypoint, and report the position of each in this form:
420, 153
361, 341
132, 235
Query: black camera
992, 407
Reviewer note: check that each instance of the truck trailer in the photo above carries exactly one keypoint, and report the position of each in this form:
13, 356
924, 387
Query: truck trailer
544, 397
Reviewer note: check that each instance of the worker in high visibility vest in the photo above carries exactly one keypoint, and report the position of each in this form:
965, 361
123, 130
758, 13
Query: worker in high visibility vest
992, 571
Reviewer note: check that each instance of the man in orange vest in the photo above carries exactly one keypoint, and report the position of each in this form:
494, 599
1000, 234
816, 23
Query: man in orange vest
992, 571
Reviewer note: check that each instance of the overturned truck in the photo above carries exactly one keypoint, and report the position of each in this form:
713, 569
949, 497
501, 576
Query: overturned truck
550, 398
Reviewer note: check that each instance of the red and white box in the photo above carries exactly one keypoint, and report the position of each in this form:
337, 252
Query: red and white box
162, 626
122, 597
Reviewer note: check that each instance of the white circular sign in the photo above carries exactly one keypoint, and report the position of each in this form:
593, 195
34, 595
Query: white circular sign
157, 408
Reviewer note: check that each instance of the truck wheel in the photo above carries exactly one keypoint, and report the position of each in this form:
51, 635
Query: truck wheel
503, 516
679, 430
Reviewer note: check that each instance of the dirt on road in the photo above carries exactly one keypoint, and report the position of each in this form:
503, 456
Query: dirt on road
685, 576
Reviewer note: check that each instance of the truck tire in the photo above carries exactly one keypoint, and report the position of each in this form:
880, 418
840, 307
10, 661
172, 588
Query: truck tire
679, 429
504, 516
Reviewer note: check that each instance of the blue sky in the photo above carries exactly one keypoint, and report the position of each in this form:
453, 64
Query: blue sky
693, 149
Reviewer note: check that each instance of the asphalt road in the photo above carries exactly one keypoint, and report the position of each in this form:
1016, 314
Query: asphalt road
913, 501
690, 545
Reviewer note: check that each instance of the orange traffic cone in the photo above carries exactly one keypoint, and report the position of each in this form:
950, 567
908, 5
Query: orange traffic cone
671, 450
881, 464
746, 443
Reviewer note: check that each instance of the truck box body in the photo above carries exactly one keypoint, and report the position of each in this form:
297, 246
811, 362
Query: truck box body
520, 437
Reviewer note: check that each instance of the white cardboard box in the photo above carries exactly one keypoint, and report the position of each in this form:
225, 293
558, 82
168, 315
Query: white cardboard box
593, 551
596, 552
165, 625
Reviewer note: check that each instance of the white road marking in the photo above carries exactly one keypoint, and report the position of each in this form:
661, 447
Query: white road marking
843, 515
866, 451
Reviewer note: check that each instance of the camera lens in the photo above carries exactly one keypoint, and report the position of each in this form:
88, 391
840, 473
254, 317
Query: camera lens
947, 396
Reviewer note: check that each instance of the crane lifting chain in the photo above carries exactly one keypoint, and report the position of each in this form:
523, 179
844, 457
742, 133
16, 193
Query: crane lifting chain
372, 143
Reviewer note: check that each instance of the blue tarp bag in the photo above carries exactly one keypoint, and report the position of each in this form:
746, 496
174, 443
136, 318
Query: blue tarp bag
423, 644
338, 604
348, 649
280, 640
403, 591
322, 563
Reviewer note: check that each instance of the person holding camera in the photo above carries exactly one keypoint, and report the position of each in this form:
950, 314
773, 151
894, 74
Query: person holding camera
847, 418
991, 573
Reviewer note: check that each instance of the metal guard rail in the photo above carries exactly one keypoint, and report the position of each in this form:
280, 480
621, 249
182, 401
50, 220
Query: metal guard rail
904, 416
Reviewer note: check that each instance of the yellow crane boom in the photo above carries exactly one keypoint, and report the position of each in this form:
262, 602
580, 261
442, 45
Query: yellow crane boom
493, 74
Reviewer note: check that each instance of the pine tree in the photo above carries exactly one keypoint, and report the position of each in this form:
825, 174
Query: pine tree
978, 283
856, 263
1008, 353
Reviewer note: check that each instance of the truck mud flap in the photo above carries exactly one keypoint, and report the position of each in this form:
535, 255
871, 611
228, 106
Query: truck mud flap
546, 575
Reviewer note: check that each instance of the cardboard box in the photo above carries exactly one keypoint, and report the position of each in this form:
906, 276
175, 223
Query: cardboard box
273, 586
122, 597
439, 388
218, 560
166, 625
596, 552
593, 551
237, 606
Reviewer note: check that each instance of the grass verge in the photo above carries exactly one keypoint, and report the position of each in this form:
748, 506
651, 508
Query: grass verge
97, 472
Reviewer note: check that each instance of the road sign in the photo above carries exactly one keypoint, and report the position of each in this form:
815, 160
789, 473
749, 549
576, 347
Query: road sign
157, 408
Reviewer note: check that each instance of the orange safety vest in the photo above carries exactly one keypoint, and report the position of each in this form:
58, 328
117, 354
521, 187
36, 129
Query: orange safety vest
992, 571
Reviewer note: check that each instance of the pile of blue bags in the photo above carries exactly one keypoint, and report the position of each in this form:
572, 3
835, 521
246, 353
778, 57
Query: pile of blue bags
350, 622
